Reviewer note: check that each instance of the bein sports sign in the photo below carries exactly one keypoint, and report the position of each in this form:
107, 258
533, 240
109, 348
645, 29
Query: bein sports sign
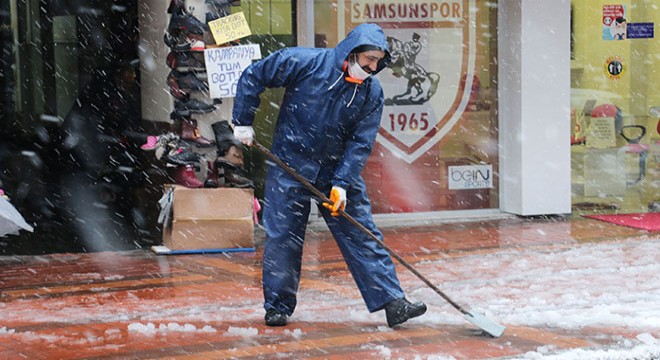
470, 177
432, 44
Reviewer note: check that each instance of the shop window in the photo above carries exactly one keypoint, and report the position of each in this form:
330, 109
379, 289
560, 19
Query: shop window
437, 146
615, 95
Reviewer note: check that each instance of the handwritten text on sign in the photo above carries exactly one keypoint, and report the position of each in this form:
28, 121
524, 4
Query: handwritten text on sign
225, 65
229, 28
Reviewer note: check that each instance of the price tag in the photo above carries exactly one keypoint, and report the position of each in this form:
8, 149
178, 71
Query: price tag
229, 28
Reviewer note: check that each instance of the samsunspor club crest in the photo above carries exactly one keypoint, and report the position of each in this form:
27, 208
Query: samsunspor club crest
427, 86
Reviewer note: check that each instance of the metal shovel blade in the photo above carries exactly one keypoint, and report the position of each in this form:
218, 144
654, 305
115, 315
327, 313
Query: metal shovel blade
492, 328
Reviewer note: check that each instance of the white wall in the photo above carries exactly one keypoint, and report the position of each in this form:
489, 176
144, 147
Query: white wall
534, 106
153, 20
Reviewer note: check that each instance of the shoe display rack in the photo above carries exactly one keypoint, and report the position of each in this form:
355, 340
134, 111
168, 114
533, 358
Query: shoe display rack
199, 161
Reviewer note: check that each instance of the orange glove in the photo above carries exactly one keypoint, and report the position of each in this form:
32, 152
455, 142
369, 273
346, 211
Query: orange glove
338, 198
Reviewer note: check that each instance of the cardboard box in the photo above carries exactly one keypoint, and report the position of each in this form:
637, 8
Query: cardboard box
210, 219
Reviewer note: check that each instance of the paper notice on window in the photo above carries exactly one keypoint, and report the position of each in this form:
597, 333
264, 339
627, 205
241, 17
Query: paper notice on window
601, 133
229, 28
225, 65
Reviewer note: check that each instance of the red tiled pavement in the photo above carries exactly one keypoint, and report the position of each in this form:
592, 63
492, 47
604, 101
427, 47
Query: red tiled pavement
98, 305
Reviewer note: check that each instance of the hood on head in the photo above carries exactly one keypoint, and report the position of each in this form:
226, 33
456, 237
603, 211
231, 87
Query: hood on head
364, 36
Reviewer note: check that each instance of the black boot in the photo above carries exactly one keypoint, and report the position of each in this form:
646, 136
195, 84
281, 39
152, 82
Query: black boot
275, 318
233, 175
399, 311
224, 137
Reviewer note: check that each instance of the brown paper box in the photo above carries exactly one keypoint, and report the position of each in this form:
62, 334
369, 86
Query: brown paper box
209, 234
212, 204
210, 219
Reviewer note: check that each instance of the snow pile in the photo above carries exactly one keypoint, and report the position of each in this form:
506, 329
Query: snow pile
151, 329
639, 352
244, 332
296, 333
384, 351
606, 284
4, 330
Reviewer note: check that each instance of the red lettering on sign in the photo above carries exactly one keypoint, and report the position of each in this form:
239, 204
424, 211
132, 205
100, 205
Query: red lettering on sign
407, 11
409, 122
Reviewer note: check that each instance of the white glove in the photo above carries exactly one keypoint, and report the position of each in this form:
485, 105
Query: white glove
338, 198
244, 134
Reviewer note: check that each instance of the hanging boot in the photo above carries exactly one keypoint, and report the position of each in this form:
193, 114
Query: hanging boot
233, 175
190, 132
212, 175
194, 106
217, 9
224, 137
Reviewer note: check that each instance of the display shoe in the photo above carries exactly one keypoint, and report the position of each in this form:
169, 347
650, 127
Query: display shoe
184, 61
185, 175
275, 318
191, 42
183, 23
173, 85
176, 7
180, 114
160, 142
211, 175
232, 175
234, 156
217, 9
401, 310
182, 156
181, 85
166, 143
224, 137
190, 132
150, 144
193, 106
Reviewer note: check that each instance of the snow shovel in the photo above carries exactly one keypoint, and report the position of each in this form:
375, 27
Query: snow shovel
490, 327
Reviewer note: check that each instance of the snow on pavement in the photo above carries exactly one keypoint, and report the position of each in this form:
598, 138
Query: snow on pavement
612, 284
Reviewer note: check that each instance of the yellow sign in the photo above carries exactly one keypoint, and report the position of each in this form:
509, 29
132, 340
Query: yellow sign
229, 28
614, 67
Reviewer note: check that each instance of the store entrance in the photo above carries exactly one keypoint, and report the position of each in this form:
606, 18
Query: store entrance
72, 90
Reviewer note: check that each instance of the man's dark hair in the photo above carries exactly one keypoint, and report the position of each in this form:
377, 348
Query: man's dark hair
363, 48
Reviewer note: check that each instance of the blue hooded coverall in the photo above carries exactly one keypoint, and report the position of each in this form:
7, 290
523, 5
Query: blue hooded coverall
325, 131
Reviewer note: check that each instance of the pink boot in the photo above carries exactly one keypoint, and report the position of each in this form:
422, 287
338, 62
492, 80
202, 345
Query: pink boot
151, 143
257, 207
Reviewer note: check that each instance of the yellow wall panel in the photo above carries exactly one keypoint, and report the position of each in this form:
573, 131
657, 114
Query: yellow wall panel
637, 88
